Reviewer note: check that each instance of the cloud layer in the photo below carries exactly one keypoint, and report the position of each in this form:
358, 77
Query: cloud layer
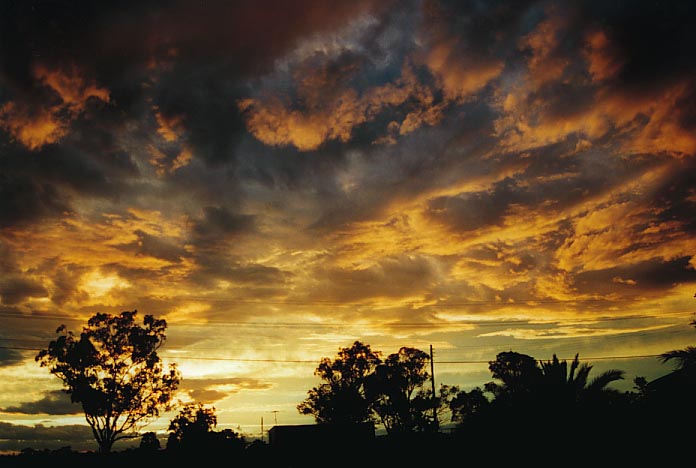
278, 179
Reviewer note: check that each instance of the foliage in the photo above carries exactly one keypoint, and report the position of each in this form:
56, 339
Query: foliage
468, 406
518, 373
398, 394
112, 369
684, 358
193, 428
571, 385
150, 442
190, 425
342, 397
359, 388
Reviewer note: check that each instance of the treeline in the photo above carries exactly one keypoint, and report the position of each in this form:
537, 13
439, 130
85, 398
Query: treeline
113, 371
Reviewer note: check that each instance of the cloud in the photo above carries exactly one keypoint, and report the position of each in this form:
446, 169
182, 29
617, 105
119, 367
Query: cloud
335, 115
155, 246
461, 76
646, 278
36, 126
208, 391
218, 223
9, 356
55, 402
17, 285
574, 84
75, 436
404, 277
14, 290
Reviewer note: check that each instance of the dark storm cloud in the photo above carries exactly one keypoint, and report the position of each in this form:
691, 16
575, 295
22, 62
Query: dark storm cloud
154, 246
675, 199
652, 37
14, 290
65, 279
216, 266
24, 200
9, 356
56, 402
467, 212
185, 62
15, 284
112, 34
643, 278
389, 174
219, 224
43, 183
77, 436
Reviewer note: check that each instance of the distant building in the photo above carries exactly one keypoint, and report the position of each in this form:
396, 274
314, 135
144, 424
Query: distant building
308, 438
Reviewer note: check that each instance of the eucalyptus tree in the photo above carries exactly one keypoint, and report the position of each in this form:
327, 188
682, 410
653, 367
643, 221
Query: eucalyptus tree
400, 397
112, 369
342, 397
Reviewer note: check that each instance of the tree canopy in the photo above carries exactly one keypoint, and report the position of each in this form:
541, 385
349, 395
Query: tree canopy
342, 397
112, 369
397, 390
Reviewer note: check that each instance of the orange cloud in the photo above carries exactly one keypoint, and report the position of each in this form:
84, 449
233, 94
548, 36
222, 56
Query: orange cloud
36, 126
95, 247
545, 64
169, 127
607, 230
32, 129
74, 90
604, 61
332, 116
163, 164
645, 123
460, 76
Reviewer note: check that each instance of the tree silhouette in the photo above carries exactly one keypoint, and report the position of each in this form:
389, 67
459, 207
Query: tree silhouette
150, 442
112, 369
397, 388
191, 425
685, 358
468, 406
342, 398
571, 385
193, 429
519, 374
672, 394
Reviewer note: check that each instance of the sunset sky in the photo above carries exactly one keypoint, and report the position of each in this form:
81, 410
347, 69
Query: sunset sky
278, 179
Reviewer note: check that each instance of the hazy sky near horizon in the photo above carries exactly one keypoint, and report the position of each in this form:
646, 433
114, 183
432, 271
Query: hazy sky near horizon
278, 179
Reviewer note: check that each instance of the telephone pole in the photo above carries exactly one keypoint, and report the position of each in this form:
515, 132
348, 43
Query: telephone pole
432, 380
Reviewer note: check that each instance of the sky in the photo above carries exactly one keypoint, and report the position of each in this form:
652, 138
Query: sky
278, 179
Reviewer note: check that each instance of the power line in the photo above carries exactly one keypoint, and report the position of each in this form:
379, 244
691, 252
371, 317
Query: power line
305, 361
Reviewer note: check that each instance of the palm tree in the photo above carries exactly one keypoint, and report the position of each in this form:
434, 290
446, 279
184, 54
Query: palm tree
572, 384
685, 358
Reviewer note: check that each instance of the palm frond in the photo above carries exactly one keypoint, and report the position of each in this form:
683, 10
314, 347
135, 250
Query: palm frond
685, 358
605, 378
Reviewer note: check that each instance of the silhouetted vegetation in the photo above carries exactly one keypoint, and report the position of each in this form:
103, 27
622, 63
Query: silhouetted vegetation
193, 431
112, 369
531, 411
342, 398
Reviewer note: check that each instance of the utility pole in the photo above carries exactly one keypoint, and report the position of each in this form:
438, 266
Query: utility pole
432, 380
261, 428
275, 416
